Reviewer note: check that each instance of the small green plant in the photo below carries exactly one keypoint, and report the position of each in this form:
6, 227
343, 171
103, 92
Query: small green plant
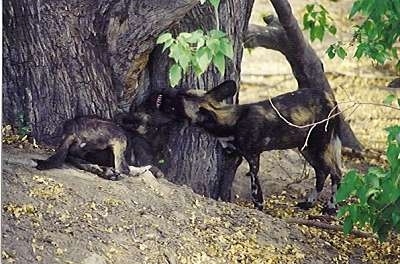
197, 50
375, 195
22, 126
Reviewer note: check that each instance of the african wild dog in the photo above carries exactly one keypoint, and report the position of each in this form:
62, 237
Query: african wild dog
104, 147
257, 127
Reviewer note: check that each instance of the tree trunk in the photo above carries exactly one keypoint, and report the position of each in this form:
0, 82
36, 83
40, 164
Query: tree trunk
192, 156
67, 58
62, 59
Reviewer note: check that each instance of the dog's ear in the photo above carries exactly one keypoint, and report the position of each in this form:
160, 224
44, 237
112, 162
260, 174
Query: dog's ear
206, 116
223, 91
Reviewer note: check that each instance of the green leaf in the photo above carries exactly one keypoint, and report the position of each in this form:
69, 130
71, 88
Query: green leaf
195, 37
175, 74
203, 58
361, 48
306, 22
214, 3
331, 51
217, 34
348, 186
347, 225
396, 217
164, 37
389, 99
317, 32
332, 29
392, 154
226, 48
355, 8
167, 44
184, 35
175, 51
342, 211
341, 53
372, 180
310, 7
219, 62
213, 44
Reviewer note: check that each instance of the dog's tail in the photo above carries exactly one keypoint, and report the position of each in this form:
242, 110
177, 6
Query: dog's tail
57, 159
336, 142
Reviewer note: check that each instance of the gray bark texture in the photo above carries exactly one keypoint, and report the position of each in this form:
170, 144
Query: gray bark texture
63, 59
284, 35
67, 58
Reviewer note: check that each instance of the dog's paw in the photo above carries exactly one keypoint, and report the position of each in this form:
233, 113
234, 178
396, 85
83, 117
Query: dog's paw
304, 205
329, 210
112, 174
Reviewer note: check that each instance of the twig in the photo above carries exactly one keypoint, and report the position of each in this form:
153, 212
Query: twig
308, 136
312, 124
321, 225
329, 115
382, 105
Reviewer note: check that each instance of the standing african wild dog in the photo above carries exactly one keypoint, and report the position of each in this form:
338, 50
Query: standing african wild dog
103, 147
257, 127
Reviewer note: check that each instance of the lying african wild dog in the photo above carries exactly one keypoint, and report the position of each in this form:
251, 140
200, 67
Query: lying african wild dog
257, 127
103, 147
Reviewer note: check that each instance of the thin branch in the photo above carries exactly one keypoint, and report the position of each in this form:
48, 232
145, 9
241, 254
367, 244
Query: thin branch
329, 115
321, 225
382, 105
312, 124
308, 136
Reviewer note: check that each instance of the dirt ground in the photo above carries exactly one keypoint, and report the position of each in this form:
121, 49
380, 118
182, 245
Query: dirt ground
70, 216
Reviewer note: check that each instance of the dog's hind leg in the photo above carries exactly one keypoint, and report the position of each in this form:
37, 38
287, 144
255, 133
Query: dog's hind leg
59, 157
314, 158
332, 159
119, 147
256, 191
102, 171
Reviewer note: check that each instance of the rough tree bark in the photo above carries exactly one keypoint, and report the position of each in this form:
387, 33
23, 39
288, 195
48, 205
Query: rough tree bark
68, 58
62, 59
285, 36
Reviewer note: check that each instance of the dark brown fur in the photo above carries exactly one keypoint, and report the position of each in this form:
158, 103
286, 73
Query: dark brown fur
256, 127
103, 147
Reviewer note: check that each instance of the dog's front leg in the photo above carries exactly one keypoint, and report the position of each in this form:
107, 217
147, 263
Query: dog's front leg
256, 191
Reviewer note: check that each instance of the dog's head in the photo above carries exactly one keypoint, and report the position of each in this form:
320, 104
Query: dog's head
188, 104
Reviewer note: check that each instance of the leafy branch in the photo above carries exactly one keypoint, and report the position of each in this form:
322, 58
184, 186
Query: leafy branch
375, 37
375, 195
197, 50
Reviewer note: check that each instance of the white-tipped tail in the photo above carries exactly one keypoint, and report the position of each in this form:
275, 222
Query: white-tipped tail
337, 146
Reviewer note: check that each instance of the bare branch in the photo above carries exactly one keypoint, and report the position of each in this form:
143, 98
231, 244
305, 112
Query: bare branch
326, 226
271, 37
